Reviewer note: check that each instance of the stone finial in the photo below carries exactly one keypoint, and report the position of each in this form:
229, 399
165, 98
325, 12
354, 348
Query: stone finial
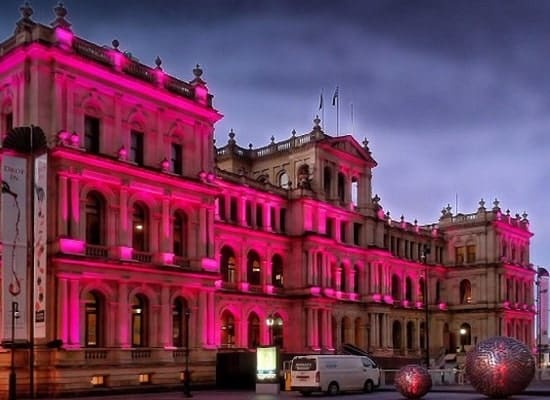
231, 137
115, 44
293, 132
249, 146
508, 212
524, 216
60, 14
496, 204
448, 209
158, 63
402, 218
481, 205
25, 23
415, 222
197, 72
376, 199
317, 122
272, 139
26, 11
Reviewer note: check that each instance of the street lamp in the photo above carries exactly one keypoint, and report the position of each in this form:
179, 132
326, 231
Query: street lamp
463, 332
13, 378
425, 252
270, 321
187, 375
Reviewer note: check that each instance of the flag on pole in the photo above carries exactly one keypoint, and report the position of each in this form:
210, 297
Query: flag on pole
321, 101
335, 96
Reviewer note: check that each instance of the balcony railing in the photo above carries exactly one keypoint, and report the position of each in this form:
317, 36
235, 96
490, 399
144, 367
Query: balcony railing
93, 250
142, 256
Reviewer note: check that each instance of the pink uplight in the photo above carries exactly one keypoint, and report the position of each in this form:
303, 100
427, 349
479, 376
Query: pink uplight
245, 286
64, 37
442, 306
75, 139
125, 252
419, 304
506, 304
377, 297
315, 290
167, 258
218, 284
122, 153
210, 177
71, 246
388, 299
269, 289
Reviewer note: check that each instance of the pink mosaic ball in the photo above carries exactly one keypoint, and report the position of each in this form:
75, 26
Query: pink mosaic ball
413, 381
500, 366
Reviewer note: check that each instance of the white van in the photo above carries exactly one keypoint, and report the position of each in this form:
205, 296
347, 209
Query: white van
333, 374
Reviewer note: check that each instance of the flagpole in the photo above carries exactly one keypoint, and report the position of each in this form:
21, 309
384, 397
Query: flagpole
322, 107
352, 121
336, 102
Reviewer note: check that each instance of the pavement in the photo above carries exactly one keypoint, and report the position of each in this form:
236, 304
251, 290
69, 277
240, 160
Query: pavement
536, 390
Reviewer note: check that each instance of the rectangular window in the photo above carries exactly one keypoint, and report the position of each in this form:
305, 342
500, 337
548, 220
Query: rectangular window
357, 228
176, 159
282, 220
273, 221
233, 207
259, 216
136, 147
471, 254
221, 208
248, 213
330, 227
343, 229
9, 121
91, 134
460, 255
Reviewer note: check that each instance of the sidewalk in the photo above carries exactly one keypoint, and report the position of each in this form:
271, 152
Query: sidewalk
536, 388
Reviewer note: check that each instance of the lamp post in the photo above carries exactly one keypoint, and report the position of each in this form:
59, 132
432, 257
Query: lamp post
425, 252
270, 321
462, 338
13, 378
187, 375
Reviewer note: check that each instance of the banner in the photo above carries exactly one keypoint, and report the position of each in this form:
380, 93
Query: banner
14, 239
40, 241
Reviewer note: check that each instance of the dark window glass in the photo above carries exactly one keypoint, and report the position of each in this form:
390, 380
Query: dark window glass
94, 219
176, 159
136, 147
91, 134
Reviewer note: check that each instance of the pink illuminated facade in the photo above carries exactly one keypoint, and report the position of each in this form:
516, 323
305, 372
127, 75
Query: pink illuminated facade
148, 219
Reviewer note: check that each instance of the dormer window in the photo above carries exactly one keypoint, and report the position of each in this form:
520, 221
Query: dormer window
284, 181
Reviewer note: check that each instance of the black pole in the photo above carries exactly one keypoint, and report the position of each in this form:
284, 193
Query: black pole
425, 252
187, 375
13, 377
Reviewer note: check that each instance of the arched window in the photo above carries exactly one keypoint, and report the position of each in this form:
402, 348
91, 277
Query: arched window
465, 335
284, 181
346, 332
341, 187
354, 190
327, 181
227, 330
396, 335
140, 229
303, 177
139, 321
408, 289
421, 289
278, 331
179, 234
410, 335
228, 268
93, 334
95, 219
395, 288
277, 277
465, 292
263, 179
253, 268
178, 321
253, 331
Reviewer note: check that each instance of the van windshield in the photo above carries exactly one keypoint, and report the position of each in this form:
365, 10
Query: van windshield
304, 364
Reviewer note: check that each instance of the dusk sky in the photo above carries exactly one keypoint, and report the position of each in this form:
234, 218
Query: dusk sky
453, 96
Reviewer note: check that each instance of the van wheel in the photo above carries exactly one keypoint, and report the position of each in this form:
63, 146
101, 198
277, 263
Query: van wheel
333, 389
368, 387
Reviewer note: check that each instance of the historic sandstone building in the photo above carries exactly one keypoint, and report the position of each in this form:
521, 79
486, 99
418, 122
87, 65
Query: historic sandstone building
148, 224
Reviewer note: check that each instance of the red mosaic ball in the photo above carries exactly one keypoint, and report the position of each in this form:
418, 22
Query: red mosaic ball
413, 381
500, 366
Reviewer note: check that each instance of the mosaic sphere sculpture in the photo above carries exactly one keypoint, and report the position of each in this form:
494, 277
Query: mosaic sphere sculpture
500, 367
413, 381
